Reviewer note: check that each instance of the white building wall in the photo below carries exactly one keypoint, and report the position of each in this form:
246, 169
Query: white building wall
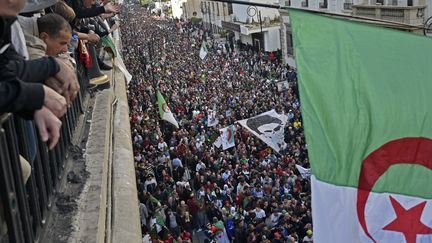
428, 11
246, 39
191, 7
272, 39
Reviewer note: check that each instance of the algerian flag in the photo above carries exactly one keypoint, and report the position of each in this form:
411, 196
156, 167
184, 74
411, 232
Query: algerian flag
227, 137
164, 111
203, 50
366, 94
269, 127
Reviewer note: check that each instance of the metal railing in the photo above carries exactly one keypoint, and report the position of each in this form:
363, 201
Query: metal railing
24, 205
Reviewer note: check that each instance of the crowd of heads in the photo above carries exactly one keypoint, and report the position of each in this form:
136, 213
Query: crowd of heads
186, 185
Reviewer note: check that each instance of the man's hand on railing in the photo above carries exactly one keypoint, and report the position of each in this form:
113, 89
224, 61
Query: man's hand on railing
48, 125
67, 76
54, 102
114, 27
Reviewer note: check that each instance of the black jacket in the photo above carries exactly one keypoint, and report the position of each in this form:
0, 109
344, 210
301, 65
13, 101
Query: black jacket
82, 12
21, 88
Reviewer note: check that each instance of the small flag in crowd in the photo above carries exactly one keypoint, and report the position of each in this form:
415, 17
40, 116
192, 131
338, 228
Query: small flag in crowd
227, 137
269, 127
365, 95
305, 173
218, 142
211, 117
164, 111
203, 50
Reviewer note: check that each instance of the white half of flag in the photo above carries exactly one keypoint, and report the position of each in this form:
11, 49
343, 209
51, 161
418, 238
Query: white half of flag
203, 50
305, 173
334, 210
227, 137
269, 127
118, 62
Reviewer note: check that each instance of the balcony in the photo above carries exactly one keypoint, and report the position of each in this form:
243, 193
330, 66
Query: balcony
304, 4
413, 15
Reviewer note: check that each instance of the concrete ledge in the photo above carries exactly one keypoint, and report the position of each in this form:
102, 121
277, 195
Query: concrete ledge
126, 226
108, 207
92, 217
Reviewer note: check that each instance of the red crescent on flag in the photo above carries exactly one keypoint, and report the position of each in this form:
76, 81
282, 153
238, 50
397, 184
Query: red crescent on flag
229, 134
165, 107
416, 151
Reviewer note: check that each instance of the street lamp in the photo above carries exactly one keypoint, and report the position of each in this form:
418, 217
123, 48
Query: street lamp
251, 12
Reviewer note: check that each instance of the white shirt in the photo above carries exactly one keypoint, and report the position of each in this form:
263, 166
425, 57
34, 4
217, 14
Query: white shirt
260, 213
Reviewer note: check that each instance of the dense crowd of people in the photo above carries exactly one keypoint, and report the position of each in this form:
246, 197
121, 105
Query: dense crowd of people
188, 188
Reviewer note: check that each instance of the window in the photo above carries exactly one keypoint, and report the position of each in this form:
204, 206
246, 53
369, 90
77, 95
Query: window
305, 3
230, 9
323, 4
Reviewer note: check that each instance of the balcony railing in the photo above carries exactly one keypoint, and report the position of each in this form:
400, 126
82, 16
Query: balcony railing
26, 204
413, 15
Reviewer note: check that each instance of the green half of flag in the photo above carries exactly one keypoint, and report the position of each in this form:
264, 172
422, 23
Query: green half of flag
361, 87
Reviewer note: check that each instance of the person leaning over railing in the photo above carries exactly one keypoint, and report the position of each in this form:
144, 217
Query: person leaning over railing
21, 82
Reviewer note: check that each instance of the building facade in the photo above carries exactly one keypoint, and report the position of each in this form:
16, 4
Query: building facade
411, 12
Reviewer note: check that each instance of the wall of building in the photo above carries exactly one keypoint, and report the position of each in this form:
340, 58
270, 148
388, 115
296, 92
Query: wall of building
272, 39
217, 11
246, 39
191, 6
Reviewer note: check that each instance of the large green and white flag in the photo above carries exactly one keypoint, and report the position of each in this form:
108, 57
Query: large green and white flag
203, 51
366, 94
164, 111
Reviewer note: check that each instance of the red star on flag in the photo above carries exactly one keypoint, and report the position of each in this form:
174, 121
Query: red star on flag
408, 221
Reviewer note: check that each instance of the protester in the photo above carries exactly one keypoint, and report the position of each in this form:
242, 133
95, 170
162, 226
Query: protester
247, 193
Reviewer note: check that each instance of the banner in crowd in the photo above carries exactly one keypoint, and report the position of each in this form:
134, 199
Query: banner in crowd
269, 127
305, 173
211, 117
365, 95
282, 86
164, 111
203, 51
227, 137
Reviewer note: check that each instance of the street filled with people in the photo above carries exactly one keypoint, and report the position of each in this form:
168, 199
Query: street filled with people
191, 190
